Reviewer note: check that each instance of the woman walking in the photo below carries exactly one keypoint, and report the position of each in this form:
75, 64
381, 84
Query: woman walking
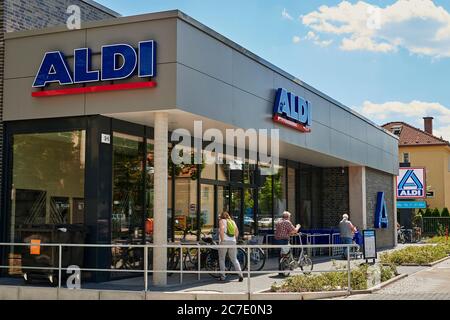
228, 234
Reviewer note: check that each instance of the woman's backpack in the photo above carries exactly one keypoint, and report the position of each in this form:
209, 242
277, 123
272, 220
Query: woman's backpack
231, 228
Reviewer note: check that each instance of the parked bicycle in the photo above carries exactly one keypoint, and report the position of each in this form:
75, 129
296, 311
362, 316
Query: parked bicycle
127, 258
257, 255
212, 260
289, 262
404, 235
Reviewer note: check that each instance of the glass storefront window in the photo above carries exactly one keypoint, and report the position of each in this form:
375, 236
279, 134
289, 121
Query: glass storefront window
186, 201
265, 201
208, 170
207, 215
292, 195
127, 209
249, 173
279, 193
249, 210
48, 173
305, 198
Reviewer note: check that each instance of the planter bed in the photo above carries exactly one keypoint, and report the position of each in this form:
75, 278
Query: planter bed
364, 277
427, 255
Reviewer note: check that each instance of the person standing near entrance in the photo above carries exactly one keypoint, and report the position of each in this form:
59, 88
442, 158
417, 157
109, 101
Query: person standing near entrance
285, 229
228, 235
283, 232
346, 231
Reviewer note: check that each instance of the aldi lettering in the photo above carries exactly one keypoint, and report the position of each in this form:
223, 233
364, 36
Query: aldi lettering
411, 183
118, 61
292, 111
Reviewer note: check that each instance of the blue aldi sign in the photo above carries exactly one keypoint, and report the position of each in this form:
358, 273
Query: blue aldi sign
118, 61
381, 213
411, 183
292, 111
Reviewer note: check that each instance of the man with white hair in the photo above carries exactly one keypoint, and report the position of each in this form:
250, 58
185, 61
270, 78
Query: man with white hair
285, 229
346, 230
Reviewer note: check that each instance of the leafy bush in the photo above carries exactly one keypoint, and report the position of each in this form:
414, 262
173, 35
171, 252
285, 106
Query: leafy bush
362, 277
436, 213
420, 212
428, 213
445, 213
417, 220
415, 255
439, 240
440, 230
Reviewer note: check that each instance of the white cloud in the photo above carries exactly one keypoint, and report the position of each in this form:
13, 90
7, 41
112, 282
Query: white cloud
419, 26
311, 36
410, 112
285, 15
296, 39
443, 132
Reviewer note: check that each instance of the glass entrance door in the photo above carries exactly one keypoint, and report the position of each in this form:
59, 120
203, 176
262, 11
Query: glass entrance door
242, 209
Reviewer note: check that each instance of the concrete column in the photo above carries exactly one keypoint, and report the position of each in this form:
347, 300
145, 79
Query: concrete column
357, 196
160, 197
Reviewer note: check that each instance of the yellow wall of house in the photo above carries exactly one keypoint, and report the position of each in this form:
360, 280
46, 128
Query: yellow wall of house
436, 161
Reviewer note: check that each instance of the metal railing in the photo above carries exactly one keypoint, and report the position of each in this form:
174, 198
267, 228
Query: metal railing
145, 270
431, 225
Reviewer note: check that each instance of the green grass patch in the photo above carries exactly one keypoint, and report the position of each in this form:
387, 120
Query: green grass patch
437, 240
362, 277
420, 255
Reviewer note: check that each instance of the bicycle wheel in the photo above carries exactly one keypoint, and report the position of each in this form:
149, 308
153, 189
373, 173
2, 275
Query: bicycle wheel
242, 258
212, 263
306, 265
133, 259
257, 259
173, 259
285, 265
191, 259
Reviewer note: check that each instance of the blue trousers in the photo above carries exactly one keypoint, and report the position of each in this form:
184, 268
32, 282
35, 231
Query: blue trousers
346, 240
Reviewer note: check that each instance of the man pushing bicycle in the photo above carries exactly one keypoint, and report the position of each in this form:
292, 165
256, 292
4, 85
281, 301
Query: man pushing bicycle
284, 230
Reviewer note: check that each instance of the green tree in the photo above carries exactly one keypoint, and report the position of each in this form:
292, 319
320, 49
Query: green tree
436, 213
428, 213
445, 213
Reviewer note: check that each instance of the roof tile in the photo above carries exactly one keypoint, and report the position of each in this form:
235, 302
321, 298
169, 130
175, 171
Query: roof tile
410, 135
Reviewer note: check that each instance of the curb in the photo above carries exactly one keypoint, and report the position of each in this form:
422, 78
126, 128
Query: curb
431, 264
332, 294
380, 286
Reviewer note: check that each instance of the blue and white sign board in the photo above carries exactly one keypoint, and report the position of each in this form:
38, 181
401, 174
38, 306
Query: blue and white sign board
292, 111
411, 205
369, 244
381, 213
411, 183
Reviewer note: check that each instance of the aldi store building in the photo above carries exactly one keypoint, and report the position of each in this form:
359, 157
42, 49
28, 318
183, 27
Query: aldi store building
89, 116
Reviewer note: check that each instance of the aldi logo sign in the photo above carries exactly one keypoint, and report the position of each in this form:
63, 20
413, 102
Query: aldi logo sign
117, 62
292, 111
411, 183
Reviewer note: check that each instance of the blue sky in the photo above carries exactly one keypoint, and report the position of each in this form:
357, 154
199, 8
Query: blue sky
388, 59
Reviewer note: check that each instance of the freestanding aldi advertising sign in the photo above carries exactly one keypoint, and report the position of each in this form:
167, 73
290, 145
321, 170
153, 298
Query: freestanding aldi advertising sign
411, 183
369, 244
